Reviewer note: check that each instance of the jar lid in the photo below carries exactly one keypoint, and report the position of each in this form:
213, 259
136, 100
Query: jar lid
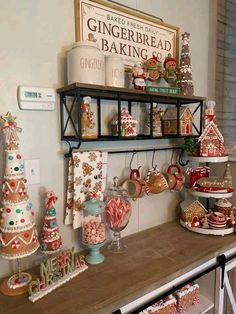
114, 56
85, 43
117, 189
93, 207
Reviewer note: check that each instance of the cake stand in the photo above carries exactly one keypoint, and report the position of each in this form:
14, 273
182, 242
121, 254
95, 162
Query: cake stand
208, 231
209, 195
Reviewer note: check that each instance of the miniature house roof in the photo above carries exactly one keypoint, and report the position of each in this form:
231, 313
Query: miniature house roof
190, 200
211, 128
171, 113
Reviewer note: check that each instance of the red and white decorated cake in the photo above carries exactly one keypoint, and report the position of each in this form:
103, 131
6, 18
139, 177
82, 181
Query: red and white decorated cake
166, 306
187, 296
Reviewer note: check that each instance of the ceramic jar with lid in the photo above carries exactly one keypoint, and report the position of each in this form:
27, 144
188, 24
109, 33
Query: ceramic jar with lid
115, 75
93, 228
128, 124
86, 64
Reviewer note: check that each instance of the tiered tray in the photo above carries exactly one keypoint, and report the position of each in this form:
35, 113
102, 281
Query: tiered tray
208, 159
210, 195
208, 231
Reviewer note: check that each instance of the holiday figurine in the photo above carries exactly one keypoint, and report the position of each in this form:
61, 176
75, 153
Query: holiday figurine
156, 121
185, 81
153, 66
162, 81
51, 240
18, 234
170, 70
139, 76
87, 119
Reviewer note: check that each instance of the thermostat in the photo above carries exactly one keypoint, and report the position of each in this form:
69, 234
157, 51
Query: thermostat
36, 98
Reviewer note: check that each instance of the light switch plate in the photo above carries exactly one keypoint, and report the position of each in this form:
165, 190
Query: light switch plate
32, 171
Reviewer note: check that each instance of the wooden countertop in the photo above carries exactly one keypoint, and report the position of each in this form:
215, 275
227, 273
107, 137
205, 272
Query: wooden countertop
154, 257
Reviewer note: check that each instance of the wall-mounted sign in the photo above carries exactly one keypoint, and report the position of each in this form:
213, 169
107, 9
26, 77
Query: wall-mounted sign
124, 32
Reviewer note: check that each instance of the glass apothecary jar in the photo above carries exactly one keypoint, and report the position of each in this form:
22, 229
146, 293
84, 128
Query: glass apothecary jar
118, 211
94, 228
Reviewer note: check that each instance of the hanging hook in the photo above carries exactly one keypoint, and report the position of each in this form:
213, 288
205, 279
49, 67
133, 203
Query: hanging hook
153, 156
181, 162
131, 160
69, 154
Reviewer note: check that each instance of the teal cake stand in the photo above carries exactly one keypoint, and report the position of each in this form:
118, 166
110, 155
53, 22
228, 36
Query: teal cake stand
94, 256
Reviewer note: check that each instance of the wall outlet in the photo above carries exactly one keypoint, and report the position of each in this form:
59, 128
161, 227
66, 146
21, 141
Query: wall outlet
32, 171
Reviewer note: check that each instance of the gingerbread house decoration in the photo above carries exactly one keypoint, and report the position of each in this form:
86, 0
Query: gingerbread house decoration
211, 141
170, 121
128, 124
192, 211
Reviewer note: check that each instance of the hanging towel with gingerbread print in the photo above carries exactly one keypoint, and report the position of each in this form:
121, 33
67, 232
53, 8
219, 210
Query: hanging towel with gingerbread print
86, 172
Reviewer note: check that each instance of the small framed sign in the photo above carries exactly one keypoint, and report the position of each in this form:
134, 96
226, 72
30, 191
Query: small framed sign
123, 31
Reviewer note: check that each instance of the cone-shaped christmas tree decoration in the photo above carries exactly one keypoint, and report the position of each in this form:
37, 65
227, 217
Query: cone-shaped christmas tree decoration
185, 81
228, 175
51, 240
18, 237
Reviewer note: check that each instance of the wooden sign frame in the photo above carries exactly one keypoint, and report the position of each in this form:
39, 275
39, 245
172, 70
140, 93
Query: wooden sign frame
124, 31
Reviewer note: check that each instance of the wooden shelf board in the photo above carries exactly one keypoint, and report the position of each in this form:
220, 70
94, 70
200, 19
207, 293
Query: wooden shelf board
123, 279
127, 91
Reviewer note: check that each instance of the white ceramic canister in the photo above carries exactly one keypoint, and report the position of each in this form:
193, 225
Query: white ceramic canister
86, 64
115, 75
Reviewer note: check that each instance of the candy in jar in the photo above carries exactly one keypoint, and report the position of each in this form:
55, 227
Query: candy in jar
93, 228
118, 211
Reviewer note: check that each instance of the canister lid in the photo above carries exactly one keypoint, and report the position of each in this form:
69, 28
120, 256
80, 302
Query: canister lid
93, 206
85, 43
114, 57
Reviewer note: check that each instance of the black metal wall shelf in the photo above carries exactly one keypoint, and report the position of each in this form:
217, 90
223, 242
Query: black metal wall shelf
71, 98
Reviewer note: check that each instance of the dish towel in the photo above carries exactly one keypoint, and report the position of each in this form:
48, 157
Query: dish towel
86, 172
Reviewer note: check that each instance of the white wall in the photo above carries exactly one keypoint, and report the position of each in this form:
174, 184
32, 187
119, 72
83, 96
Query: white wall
34, 37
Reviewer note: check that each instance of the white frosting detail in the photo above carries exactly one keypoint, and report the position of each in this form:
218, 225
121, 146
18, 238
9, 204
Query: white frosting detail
18, 237
16, 229
20, 255
189, 288
50, 229
51, 252
51, 239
